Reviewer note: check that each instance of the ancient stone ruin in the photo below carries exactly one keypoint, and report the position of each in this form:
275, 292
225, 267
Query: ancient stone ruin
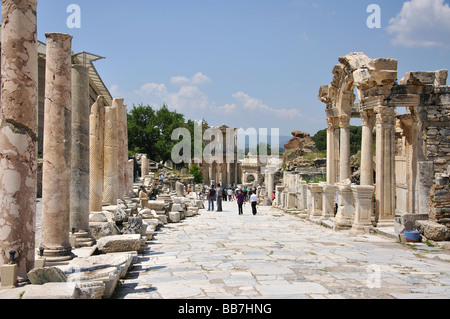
404, 182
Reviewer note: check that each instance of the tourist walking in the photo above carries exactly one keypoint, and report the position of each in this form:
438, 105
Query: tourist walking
240, 202
219, 198
230, 194
254, 202
211, 198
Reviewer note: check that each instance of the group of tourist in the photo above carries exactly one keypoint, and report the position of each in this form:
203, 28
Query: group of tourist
218, 194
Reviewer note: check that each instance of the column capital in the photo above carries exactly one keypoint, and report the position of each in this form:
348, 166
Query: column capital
385, 115
344, 121
367, 117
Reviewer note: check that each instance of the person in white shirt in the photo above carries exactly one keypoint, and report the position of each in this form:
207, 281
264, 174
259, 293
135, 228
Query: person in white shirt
254, 202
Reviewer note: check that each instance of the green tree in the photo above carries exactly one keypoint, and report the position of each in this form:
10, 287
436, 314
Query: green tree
197, 173
150, 131
355, 139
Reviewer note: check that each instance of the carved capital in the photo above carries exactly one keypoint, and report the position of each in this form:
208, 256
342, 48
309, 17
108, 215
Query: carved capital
344, 121
385, 115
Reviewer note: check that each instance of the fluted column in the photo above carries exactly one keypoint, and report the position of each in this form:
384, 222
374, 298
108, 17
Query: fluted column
367, 118
331, 150
18, 133
385, 166
57, 149
344, 123
110, 160
96, 155
79, 183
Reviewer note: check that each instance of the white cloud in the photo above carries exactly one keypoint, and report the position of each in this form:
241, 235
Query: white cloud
190, 98
421, 23
254, 105
197, 80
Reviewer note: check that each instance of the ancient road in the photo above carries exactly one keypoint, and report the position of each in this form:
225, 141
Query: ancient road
276, 255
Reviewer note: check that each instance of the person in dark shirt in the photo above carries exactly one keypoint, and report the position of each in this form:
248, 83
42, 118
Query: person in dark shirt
219, 198
240, 202
211, 198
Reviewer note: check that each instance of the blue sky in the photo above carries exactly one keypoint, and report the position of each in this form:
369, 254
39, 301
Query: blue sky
247, 63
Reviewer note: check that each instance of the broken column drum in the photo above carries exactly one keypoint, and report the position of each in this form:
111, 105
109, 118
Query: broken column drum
18, 133
57, 149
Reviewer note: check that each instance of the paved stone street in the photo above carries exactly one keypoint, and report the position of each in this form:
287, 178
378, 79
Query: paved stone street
276, 255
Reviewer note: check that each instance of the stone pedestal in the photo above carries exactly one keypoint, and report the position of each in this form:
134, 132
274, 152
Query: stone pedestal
57, 149
346, 209
316, 200
96, 155
110, 194
79, 183
18, 132
328, 201
8, 275
364, 207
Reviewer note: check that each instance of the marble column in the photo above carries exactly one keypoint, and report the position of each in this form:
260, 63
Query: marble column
57, 149
331, 151
96, 155
79, 183
18, 133
122, 157
110, 160
363, 195
367, 118
270, 182
385, 166
329, 201
344, 161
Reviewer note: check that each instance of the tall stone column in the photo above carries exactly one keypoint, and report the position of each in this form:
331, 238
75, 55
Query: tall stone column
367, 118
122, 157
344, 123
79, 183
96, 155
18, 133
363, 209
57, 149
110, 168
385, 166
331, 151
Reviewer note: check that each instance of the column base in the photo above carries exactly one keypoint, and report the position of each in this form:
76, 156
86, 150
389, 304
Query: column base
84, 239
361, 229
58, 254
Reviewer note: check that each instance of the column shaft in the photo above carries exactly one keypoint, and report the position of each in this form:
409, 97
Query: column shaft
18, 133
96, 155
367, 148
110, 168
385, 167
57, 149
344, 148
